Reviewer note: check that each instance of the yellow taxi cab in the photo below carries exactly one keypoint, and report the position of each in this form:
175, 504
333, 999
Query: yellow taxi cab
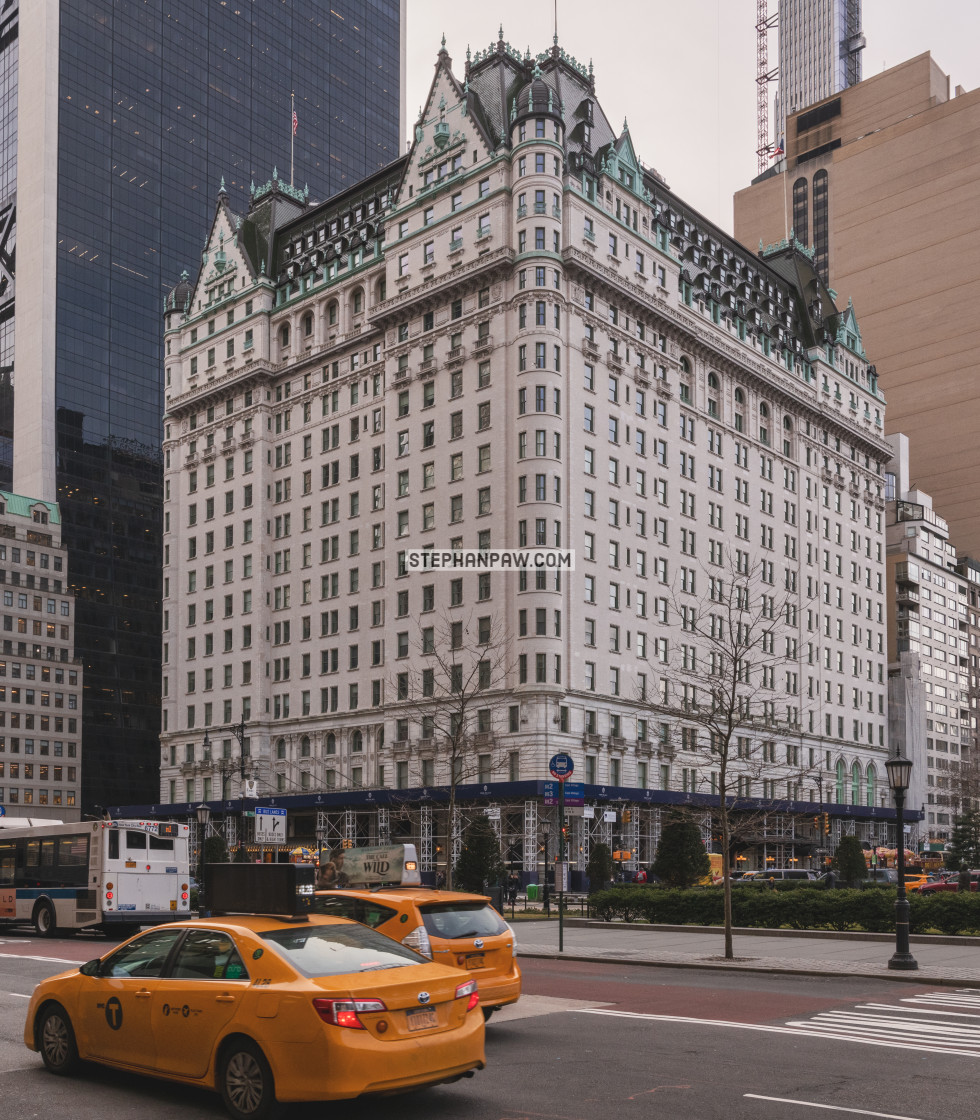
264, 1009
451, 927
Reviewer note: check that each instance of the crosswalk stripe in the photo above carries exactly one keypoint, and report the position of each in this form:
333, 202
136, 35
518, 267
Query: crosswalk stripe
935, 1025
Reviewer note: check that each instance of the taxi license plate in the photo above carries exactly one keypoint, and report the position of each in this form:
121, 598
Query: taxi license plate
422, 1018
474, 960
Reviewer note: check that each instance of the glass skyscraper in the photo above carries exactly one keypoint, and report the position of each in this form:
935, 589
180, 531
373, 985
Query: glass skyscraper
133, 112
820, 44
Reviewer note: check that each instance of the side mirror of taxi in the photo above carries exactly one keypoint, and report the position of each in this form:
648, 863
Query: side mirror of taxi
91, 968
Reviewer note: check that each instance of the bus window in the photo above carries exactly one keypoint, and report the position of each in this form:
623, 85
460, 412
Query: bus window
113, 843
161, 843
135, 841
7, 863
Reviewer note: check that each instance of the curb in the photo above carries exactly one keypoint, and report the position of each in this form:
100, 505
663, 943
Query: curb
913, 977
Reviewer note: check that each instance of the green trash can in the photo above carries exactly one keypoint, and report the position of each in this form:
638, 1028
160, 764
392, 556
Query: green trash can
532, 892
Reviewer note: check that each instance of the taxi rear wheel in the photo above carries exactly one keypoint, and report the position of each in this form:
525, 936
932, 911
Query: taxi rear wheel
246, 1084
56, 1040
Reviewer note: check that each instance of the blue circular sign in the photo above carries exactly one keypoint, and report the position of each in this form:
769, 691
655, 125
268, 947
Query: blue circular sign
561, 766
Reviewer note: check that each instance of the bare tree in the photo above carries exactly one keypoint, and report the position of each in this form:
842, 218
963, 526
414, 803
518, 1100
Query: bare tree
457, 695
728, 645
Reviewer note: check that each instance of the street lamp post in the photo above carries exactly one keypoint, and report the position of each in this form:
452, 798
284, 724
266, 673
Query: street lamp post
899, 772
546, 831
203, 816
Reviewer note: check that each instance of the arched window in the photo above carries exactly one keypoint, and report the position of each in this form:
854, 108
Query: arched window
840, 782
739, 396
308, 324
787, 435
871, 788
712, 381
855, 784
284, 335
304, 747
356, 742
280, 748
331, 743
381, 737
739, 415
764, 423
685, 366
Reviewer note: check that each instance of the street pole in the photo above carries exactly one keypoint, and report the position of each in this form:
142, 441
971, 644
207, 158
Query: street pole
561, 866
547, 897
899, 771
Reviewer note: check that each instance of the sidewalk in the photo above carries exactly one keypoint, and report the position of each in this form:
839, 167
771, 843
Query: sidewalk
942, 960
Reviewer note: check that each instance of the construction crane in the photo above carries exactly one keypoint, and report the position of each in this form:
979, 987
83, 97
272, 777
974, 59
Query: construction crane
764, 22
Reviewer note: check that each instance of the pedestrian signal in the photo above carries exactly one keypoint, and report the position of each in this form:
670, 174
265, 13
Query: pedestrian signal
627, 816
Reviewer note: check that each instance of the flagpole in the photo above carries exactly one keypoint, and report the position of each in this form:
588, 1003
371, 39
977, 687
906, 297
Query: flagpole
292, 132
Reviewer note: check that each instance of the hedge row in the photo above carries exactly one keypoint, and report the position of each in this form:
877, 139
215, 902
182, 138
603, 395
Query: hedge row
872, 911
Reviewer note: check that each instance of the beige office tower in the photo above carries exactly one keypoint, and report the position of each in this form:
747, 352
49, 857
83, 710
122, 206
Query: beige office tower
883, 180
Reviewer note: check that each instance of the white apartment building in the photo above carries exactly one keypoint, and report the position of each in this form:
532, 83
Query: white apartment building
40, 680
514, 336
928, 649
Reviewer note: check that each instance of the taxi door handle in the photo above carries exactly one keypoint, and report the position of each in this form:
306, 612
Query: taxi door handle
143, 993
224, 999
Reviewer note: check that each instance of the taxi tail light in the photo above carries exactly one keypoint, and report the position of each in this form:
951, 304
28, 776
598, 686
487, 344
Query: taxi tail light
344, 1012
418, 940
468, 991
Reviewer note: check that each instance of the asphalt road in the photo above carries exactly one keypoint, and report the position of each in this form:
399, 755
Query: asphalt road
594, 1041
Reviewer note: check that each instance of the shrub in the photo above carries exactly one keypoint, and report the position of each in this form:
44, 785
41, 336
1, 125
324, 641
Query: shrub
681, 857
801, 907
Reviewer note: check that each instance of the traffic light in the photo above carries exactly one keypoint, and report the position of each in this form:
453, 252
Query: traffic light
816, 822
826, 822
627, 816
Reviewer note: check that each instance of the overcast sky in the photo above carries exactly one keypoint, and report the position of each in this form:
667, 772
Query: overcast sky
682, 73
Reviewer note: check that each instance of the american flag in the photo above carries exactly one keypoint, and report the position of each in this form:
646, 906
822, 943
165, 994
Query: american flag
295, 122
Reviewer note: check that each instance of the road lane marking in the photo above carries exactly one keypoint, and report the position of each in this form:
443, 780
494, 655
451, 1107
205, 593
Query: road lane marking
829, 1107
842, 1037
18, 995
529, 1006
50, 960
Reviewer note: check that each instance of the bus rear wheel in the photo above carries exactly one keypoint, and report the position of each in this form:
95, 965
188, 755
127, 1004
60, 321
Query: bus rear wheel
45, 924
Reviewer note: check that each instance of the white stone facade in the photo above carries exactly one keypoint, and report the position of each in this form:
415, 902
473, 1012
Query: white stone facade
532, 352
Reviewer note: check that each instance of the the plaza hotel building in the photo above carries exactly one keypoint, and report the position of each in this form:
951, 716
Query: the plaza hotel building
514, 335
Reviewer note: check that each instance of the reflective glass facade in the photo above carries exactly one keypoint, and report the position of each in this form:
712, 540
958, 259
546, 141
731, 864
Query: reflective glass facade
158, 101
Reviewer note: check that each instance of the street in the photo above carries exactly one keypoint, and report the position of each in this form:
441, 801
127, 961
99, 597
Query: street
592, 1040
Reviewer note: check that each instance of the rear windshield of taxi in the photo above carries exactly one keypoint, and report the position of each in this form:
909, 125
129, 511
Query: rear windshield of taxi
462, 919
334, 950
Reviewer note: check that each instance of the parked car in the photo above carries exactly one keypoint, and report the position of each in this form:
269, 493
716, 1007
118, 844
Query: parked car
951, 884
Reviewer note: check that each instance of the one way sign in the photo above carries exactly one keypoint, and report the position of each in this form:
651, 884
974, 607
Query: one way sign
270, 826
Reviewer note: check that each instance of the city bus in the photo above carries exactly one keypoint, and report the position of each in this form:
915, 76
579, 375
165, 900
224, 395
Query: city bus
111, 875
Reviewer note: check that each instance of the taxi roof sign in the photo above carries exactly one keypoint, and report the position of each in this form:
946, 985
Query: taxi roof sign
281, 889
386, 865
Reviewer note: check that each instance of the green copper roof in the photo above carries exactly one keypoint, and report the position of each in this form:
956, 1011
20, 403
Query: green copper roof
18, 506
